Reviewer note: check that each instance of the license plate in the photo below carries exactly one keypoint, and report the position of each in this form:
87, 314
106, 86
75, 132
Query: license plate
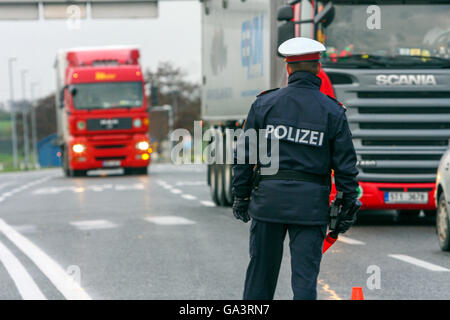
111, 163
406, 197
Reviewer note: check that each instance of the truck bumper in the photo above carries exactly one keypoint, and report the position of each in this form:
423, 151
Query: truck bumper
373, 195
103, 152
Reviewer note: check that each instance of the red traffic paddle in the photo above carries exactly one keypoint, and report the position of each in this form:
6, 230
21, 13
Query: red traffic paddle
329, 241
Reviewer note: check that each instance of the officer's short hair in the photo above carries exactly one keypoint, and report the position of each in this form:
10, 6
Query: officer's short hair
310, 66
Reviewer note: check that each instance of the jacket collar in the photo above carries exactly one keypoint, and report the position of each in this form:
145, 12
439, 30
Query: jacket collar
304, 78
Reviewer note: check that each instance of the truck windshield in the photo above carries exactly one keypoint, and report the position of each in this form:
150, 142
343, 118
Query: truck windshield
410, 36
107, 95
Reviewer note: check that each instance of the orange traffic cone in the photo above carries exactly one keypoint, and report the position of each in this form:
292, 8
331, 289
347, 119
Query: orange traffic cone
357, 293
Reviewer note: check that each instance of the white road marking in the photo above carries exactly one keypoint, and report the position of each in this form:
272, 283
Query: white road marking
175, 191
208, 203
188, 197
93, 224
10, 193
418, 262
350, 241
22, 279
190, 183
169, 220
60, 279
123, 187
94, 188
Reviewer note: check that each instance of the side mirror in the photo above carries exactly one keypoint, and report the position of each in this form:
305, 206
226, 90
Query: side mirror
286, 31
325, 16
61, 97
285, 13
73, 91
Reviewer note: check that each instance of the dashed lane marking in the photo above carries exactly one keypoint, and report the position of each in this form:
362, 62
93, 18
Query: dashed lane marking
190, 183
169, 220
350, 241
26, 186
208, 203
68, 287
94, 188
418, 262
188, 197
22, 279
93, 224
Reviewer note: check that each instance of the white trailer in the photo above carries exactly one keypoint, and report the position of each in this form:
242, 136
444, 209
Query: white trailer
239, 60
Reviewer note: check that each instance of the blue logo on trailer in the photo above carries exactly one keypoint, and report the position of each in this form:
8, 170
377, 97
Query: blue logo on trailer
252, 46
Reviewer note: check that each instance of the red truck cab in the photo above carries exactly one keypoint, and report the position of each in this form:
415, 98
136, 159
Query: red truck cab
102, 111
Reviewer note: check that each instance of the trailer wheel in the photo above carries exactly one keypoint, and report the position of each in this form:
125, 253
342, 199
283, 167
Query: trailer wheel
213, 184
227, 182
443, 224
208, 175
220, 190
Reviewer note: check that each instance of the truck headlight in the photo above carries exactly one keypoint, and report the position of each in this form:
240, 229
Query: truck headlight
78, 148
143, 145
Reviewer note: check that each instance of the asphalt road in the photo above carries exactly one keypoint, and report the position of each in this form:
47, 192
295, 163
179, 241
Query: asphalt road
160, 237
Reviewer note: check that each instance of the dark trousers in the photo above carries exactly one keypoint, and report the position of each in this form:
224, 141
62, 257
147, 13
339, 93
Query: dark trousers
266, 252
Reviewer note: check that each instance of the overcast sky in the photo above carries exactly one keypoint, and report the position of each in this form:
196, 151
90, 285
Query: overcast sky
174, 36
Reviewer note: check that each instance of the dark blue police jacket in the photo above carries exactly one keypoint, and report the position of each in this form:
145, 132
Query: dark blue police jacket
314, 137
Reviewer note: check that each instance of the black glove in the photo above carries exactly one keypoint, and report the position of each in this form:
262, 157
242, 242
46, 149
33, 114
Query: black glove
240, 209
349, 213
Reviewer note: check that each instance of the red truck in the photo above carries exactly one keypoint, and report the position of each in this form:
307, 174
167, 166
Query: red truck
102, 115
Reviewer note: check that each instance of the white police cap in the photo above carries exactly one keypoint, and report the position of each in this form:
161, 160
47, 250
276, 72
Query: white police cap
301, 49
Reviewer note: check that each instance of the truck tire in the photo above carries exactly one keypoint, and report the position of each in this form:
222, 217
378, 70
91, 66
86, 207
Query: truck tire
227, 183
65, 163
213, 184
79, 173
220, 190
443, 224
208, 175
141, 171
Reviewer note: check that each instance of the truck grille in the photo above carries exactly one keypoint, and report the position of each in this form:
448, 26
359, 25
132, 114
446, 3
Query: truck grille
399, 136
109, 124
111, 146
110, 158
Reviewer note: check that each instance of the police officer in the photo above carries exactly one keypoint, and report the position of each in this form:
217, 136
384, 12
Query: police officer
314, 138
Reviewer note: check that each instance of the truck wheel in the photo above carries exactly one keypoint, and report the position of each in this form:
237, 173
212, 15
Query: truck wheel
443, 224
208, 174
213, 186
227, 182
65, 164
79, 173
220, 185
141, 171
